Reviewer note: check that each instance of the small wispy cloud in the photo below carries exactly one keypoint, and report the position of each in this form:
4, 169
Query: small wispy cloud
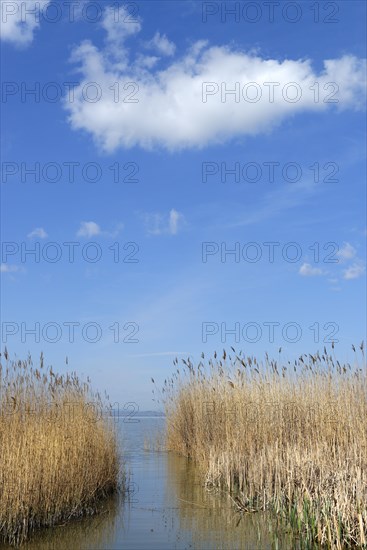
307, 270
93, 229
355, 271
6, 268
347, 252
38, 232
159, 224
88, 229
161, 44
20, 20
175, 219
118, 30
277, 202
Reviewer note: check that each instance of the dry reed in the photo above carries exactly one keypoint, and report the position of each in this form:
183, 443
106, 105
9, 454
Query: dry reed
289, 438
58, 453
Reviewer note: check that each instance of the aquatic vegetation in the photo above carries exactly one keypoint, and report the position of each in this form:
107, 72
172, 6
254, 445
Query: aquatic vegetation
290, 437
58, 452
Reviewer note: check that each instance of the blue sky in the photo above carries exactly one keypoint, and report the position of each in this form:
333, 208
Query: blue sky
170, 216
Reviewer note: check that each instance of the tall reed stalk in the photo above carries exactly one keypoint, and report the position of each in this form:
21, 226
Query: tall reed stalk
290, 437
58, 453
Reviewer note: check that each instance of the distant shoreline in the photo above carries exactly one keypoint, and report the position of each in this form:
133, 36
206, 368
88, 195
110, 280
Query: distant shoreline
142, 414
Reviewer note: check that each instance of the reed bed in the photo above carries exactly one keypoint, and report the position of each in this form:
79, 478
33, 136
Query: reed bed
280, 436
58, 452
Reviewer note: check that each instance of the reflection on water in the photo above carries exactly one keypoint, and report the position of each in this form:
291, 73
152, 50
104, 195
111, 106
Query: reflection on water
167, 508
210, 516
97, 532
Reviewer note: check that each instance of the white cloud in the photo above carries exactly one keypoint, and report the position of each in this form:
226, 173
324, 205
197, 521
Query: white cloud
92, 229
347, 252
88, 229
161, 44
175, 218
19, 20
119, 25
354, 271
38, 232
147, 61
306, 270
158, 224
6, 268
164, 106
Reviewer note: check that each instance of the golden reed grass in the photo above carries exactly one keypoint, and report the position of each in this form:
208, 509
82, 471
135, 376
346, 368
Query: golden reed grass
291, 438
58, 453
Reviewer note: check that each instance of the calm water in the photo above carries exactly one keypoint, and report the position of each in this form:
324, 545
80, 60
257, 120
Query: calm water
168, 508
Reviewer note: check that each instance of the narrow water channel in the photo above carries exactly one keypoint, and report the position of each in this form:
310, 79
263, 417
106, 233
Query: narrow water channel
168, 508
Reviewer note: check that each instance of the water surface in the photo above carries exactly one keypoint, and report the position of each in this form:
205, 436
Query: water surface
168, 507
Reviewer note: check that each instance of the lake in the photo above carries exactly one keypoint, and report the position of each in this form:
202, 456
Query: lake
167, 507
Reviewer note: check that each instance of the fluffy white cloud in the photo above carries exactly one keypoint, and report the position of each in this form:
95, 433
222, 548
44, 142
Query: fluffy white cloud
354, 271
88, 229
118, 24
161, 44
308, 271
19, 20
187, 102
38, 232
158, 224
